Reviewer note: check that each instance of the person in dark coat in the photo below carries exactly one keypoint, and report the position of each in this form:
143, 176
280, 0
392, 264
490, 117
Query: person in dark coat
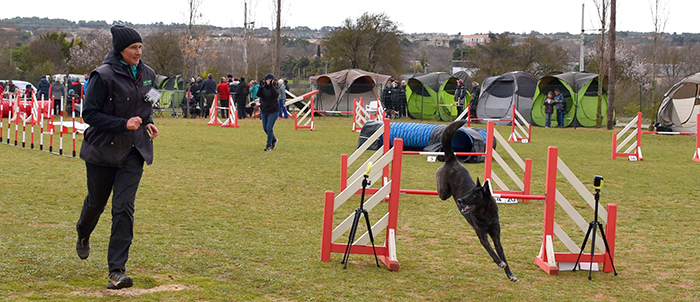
474, 103
269, 109
209, 90
241, 98
115, 147
43, 88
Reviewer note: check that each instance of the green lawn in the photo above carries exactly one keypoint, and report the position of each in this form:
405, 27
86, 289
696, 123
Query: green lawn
218, 219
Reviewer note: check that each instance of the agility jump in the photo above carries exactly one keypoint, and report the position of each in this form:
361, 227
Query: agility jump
390, 159
548, 260
521, 130
490, 154
632, 141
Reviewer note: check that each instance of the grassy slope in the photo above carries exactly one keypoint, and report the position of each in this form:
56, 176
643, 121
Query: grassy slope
223, 220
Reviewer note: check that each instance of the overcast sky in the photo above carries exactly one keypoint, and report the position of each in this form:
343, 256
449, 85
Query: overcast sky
447, 16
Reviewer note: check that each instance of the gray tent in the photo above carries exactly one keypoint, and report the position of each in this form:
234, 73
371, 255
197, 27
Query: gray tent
681, 105
500, 93
338, 90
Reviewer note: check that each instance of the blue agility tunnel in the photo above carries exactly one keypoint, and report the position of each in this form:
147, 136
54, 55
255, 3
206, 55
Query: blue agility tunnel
428, 137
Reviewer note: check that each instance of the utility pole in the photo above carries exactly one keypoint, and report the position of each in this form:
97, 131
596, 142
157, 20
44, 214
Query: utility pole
245, 37
612, 77
278, 39
580, 58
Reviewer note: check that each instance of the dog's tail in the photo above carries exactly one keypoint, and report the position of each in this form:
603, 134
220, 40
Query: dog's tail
447, 139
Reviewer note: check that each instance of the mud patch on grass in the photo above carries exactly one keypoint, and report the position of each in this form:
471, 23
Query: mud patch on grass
131, 292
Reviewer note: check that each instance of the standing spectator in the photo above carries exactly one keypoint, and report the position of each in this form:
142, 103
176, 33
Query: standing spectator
117, 143
253, 89
460, 94
58, 95
560, 103
2, 89
43, 88
269, 109
401, 91
85, 85
224, 94
282, 99
233, 86
209, 92
474, 102
549, 109
387, 94
241, 98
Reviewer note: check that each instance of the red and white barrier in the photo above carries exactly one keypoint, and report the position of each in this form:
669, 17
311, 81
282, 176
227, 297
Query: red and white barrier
362, 114
304, 118
696, 157
232, 120
521, 130
392, 159
633, 141
552, 262
490, 155
549, 260
214, 113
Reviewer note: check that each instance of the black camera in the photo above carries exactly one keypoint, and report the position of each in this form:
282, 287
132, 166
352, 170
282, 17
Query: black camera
597, 182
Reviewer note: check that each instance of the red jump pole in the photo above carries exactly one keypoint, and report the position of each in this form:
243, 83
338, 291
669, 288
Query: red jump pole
697, 140
550, 202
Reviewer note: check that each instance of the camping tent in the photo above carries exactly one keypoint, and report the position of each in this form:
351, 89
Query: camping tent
172, 90
500, 93
338, 90
681, 105
580, 90
431, 96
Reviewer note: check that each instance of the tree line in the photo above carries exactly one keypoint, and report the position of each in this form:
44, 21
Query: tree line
371, 42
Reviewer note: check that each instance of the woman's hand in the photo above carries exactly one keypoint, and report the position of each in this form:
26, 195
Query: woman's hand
152, 130
133, 123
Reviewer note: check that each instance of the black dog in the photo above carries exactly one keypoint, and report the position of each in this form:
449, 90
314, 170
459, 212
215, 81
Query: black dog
474, 201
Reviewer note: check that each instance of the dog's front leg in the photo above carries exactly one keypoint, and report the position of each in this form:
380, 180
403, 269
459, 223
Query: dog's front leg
483, 238
499, 250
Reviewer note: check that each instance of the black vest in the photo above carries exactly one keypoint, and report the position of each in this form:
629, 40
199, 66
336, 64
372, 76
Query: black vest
126, 99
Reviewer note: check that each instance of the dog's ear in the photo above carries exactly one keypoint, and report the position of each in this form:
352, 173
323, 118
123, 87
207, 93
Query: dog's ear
478, 183
487, 188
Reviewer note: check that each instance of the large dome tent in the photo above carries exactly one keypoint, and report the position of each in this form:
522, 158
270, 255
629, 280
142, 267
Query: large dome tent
431, 96
680, 106
500, 93
580, 90
338, 90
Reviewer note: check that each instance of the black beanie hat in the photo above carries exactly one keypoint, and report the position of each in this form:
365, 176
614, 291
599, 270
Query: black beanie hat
123, 36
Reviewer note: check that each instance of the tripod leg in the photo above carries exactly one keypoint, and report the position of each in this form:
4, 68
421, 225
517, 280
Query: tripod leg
607, 247
353, 230
590, 269
371, 237
583, 246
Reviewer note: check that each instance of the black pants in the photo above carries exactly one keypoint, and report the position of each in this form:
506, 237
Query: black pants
123, 182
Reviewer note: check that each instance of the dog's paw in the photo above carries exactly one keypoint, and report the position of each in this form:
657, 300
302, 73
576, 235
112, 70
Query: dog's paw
502, 265
513, 278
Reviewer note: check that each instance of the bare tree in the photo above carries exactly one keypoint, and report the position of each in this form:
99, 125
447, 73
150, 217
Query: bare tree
659, 16
163, 53
612, 70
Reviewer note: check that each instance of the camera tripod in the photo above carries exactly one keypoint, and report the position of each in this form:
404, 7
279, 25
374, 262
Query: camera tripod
598, 184
361, 211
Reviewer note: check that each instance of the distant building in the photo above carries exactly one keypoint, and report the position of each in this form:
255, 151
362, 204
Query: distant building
473, 40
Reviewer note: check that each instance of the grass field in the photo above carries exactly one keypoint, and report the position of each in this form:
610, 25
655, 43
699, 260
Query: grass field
218, 219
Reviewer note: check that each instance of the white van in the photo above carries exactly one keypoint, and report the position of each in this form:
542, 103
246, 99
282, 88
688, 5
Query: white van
61, 77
